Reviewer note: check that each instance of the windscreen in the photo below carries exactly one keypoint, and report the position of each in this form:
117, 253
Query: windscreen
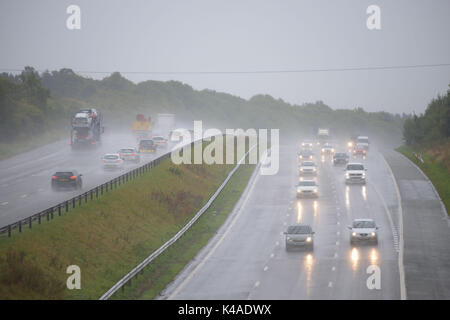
307, 183
299, 230
363, 224
355, 167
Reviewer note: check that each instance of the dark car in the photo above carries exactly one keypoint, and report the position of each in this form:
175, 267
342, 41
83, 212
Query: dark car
340, 158
299, 235
147, 146
359, 150
66, 180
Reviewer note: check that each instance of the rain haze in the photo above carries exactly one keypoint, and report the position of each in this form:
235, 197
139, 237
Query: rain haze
205, 36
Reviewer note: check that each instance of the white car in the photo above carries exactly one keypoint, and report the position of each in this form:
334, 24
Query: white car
307, 188
112, 161
355, 173
363, 230
129, 154
307, 168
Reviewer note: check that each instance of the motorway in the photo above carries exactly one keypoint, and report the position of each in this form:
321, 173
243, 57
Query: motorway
25, 178
247, 258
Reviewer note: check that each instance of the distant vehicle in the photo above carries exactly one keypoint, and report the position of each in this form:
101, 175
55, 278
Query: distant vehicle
363, 230
178, 134
327, 149
307, 188
363, 141
307, 144
160, 141
165, 123
66, 180
352, 141
308, 167
340, 158
305, 154
142, 127
299, 235
323, 135
112, 161
86, 128
359, 150
147, 146
355, 173
129, 154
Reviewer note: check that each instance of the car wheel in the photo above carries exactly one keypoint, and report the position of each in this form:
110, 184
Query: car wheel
288, 247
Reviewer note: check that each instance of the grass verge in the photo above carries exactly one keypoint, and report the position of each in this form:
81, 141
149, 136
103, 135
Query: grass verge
435, 171
165, 267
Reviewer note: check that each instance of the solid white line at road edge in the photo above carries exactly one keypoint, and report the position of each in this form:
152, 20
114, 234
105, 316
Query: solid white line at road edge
193, 272
401, 267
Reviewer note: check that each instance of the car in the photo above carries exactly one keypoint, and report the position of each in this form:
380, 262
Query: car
112, 161
327, 149
363, 230
307, 167
359, 150
340, 158
307, 144
299, 235
305, 154
307, 188
129, 154
355, 173
147, 145
160, 141
70, 179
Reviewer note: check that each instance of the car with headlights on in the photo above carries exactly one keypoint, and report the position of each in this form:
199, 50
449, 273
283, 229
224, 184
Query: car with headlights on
299, 235
305, 154
363, 230
129, 154
66, 180
327, 149
355, 173
359, 150
340, 158
112, 161
307, 168
307, 188
160, 141
307, 144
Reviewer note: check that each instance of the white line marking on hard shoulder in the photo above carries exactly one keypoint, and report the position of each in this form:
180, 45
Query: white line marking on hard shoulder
400, 226
4, 203
23, 196
240, 210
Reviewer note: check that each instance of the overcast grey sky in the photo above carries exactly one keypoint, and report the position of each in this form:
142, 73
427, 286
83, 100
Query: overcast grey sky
244, 35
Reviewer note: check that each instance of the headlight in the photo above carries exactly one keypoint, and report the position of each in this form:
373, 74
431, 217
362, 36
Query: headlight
309, 239
363, 174
315, 190
350, 144
354, 234
373, 234
323, 150
347, 175
301, 169
288, 238
299, 190
332, 150
314, 169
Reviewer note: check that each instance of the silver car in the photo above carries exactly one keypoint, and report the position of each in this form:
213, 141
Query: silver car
299, 235
363, 230
112, 161
129, 154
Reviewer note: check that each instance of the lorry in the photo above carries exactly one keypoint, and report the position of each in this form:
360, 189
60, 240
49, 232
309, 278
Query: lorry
165, 124
86, 128
323, 135
142, 127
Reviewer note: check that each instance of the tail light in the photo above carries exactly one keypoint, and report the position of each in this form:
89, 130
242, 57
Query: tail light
133, 154
103, 160
73, 177
121, 154
118, 160
93, 142
54, 177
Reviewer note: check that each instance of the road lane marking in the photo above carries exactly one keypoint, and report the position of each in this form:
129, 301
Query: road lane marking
338, 233
266, 268
235, 218
257, 283
335, 255
4, 203
277, 243
23, 196
272, 255
333, 268
400, 222
337, 243
330, 284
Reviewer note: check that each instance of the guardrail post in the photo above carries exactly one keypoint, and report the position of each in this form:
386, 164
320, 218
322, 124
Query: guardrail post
59, 210
106, 187
90, 191
96, 192
79, 200
39, 218
20, 226
85, 197
30, 222
73, 203
67, 206
9, 231
51, 213
101, 189
48, 216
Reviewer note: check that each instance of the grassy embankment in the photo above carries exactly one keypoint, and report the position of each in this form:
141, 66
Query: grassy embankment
436, 166
106, 238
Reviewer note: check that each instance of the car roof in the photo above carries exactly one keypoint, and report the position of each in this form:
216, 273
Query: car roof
308, 180
127, 148
308, 161
364, 219
350, 163
111, 154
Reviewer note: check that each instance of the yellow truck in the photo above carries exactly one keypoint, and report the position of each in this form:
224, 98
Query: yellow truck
142, 127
